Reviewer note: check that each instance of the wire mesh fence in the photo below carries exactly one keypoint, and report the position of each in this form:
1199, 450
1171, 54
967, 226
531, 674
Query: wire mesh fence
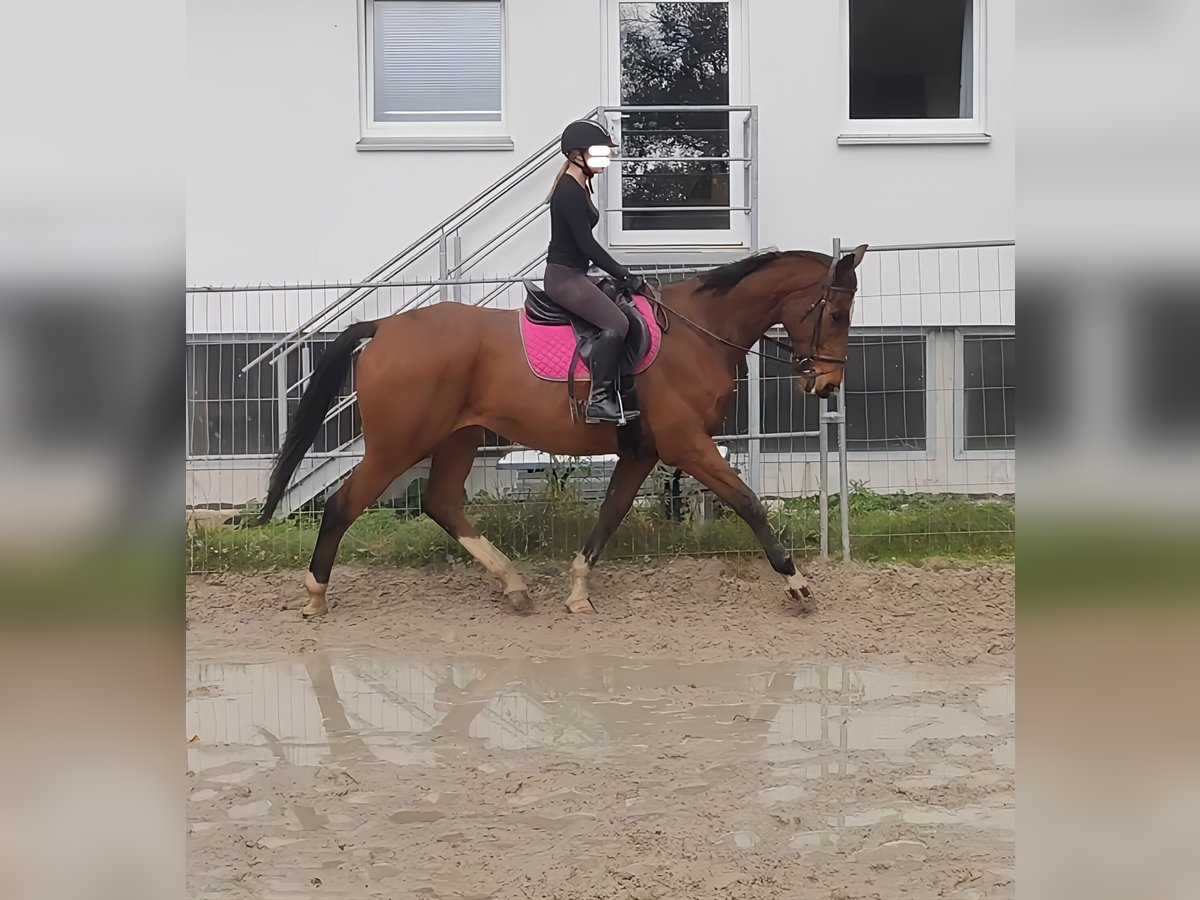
925, 422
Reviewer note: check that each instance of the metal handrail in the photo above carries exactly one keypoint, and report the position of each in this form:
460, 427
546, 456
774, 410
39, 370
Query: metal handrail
450, 228
425, 242
502, 285
500, 238
482, 201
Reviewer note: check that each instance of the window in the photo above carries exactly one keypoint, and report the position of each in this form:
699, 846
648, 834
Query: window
989, 392
674, 54
231, 414
914, 69
433, 69
883, 390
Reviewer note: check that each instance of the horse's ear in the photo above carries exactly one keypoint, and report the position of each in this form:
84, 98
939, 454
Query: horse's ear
852, 260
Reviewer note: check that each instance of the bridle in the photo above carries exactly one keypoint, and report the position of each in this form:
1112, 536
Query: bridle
803, 364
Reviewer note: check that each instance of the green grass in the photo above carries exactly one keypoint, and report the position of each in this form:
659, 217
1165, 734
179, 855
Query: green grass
895, 527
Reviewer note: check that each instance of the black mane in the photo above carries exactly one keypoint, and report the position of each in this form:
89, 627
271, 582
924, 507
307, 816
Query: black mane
729, 276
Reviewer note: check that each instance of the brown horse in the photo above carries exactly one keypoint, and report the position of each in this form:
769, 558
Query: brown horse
431, 377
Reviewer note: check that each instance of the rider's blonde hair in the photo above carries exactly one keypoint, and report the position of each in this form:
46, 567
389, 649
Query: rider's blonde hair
562, 170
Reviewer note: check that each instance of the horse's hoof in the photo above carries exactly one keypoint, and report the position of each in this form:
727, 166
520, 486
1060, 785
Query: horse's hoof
581, 605
314, 610
519, 602
802, 597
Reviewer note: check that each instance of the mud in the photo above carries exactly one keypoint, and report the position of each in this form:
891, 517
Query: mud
699, 738
701, 609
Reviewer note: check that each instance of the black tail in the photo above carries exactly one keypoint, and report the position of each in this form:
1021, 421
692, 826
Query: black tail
323, 387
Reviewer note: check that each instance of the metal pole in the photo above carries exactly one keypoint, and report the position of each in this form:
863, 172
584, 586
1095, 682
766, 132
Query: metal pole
843, 474
843, 482
443, 265
754, 426
752, 200
456, 258
823, 468
281, 389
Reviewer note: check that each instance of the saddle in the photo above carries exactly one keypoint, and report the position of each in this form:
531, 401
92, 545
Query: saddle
541, 310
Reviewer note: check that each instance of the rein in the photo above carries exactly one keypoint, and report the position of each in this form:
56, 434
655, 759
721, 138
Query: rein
803, 363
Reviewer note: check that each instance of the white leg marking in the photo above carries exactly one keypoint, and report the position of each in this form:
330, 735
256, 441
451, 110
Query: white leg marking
317, 603
495, 562
580, 600
798, 585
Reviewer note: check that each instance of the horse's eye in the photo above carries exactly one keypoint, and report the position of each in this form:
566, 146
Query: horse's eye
841, 318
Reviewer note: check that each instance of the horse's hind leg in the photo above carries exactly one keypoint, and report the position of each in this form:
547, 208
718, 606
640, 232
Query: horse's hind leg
444, 502
369, 479
627, 478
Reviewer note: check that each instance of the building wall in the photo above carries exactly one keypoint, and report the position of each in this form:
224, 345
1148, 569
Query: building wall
278, 192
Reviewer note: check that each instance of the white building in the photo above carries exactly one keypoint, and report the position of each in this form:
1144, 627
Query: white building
329, 135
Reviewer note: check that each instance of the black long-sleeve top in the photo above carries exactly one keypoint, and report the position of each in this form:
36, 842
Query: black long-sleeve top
572, 218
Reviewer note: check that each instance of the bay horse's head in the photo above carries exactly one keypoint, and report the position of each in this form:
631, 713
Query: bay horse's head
817, 320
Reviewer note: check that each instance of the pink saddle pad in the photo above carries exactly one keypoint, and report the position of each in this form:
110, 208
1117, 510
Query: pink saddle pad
549, 348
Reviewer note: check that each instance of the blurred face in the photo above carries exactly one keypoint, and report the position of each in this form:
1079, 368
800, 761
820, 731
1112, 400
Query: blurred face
595, 159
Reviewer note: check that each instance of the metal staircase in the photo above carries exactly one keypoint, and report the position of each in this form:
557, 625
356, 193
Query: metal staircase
435, 264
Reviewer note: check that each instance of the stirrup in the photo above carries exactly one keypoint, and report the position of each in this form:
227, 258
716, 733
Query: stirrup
624, 416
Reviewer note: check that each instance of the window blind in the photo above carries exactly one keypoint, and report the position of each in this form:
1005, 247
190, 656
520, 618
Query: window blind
437, 60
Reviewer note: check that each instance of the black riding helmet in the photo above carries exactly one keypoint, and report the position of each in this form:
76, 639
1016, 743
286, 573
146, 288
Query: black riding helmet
584, 133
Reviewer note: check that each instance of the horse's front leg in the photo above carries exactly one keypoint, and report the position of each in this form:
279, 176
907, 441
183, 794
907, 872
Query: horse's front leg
699, 457
627, 477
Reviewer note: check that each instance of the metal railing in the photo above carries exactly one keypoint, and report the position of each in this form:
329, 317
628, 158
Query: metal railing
446, 236
454, 270
939, 300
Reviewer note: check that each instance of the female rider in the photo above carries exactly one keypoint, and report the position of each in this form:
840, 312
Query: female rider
572, 249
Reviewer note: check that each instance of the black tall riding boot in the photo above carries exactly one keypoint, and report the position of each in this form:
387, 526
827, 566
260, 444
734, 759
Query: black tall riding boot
604, 403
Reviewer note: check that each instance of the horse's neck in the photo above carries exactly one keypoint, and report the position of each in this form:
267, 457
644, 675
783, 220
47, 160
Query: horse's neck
741, 316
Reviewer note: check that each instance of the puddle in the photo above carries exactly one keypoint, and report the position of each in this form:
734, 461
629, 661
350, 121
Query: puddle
385, 771
412, 711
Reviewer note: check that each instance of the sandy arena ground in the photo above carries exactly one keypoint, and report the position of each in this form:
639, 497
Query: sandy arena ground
697, 739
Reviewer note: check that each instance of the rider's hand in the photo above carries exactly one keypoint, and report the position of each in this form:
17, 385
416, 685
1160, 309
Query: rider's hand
635, 284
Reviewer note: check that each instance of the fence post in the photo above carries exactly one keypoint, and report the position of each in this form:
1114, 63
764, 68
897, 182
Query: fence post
843, 474
823, 469
281, 389
843, 480
754, 426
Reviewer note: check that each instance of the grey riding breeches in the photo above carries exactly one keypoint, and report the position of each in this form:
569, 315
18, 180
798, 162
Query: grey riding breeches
577, 294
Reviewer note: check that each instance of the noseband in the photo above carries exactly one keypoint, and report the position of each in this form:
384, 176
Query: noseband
804, 364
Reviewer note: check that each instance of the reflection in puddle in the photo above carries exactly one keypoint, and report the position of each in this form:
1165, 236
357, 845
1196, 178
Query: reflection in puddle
410, 710
412, 761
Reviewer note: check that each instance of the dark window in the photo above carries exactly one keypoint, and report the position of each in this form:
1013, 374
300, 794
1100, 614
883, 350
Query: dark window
883, 390
911, 60
1161, 328
989, 392
230, 413
786, 409
674, 54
